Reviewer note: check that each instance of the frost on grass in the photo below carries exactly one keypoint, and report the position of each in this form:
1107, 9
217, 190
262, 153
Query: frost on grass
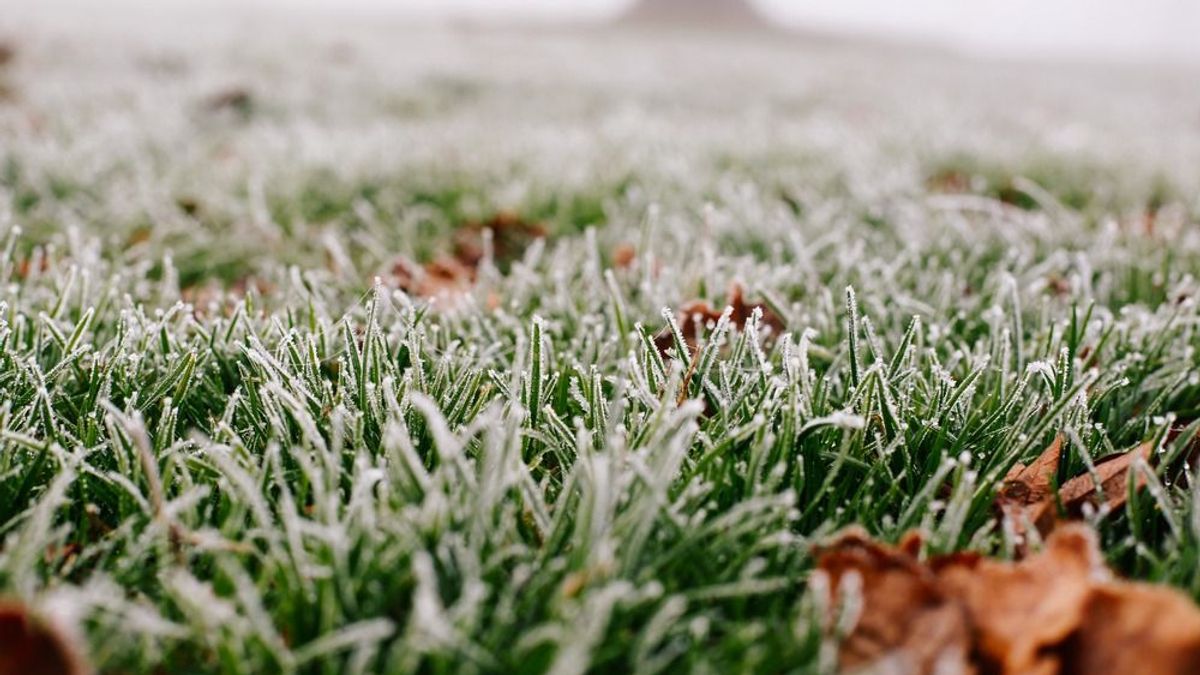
225, 447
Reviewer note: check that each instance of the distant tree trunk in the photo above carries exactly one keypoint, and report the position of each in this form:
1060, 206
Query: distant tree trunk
694, 14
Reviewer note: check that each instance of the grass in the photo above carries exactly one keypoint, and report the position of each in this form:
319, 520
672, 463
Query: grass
315, 472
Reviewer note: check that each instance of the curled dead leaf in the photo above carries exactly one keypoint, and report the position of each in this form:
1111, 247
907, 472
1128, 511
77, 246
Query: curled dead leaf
210, 298
448, 279
510, 234
1111, 477
444, 280
1020, 612
1027, 496
32, 645
905, 620
1056, 612
697, 317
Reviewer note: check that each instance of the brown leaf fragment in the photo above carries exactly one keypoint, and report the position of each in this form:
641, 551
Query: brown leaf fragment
189, 205
1019, 611
450, 278
770, 324
694, 319
1113, 476
510, 234
698, 317
906, 621
30, 645
1031, 484
1057, 612
445, 280
1136, 628
33, 265
1026, 495
210, 298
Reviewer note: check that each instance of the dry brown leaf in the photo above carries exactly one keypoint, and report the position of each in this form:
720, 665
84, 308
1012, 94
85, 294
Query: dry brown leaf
189, 205
35, 264
1020, 611
1055, 613
1137, 628
445, 280
511, 235
697, 317
210, 298
450, 278
32, 646
1027, 493
1113, 475
907, 621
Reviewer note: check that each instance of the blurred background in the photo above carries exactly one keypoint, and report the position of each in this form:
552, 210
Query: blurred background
1105, 30
352, 130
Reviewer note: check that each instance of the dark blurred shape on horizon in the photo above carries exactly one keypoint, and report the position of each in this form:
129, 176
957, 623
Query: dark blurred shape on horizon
714, 14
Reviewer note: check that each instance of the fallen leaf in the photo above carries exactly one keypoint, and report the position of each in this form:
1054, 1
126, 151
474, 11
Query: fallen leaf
1057, 285
445, 280
697, 317
1057, 612
510, 233
694, 318
60, 554
30, 645
1137, 628
769, 322
1027, 496
1113, 476
139, 235
448, 279
210, 296
906, 619
35, 264
1019, 612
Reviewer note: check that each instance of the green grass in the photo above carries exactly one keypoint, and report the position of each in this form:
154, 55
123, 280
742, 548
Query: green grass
326, 475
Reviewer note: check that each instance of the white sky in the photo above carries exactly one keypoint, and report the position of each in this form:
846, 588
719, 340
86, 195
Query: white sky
1161, 30
1115, 29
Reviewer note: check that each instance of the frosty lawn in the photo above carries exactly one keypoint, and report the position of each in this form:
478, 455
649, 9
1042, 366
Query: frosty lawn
231, 443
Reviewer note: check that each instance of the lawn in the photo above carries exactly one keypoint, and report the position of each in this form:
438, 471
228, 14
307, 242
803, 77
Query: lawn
338, 346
